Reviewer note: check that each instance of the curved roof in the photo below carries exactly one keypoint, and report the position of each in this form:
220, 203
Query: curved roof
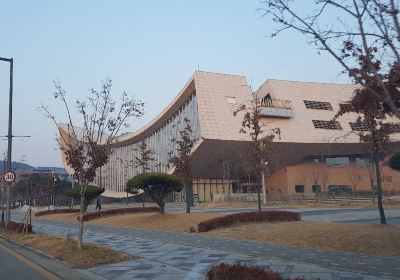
215, 113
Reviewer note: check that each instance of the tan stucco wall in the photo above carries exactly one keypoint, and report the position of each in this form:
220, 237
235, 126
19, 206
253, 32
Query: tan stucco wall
302, 174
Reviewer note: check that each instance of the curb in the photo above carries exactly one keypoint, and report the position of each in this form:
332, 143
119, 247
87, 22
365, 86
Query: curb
46, 262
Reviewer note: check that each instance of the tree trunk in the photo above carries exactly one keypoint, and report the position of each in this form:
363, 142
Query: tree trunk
162, 206
144, 198
259, 198
372, 190
379, 186
264, 188
191, 193
188, 198
80, 231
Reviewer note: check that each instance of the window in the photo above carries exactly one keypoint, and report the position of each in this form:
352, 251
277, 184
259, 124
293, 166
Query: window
345, 107
318, 105
326, 124
299, 188
358, 126
230, 100
340, 189
316, 188
362, 163
396, 128
338, 161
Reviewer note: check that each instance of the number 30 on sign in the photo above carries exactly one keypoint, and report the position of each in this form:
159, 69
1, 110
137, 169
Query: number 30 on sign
9, 177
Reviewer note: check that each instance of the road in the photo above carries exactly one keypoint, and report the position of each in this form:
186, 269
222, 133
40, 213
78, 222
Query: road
16, 267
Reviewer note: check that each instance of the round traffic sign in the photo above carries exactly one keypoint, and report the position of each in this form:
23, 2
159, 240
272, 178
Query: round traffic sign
9, 176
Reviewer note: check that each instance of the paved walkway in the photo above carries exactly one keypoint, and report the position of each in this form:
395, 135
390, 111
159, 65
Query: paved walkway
166, 255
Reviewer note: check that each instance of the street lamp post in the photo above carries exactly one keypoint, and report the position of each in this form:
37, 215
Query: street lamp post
9, 136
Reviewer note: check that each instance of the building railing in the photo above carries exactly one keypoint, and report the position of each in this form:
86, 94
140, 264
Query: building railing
275, 103
276, 108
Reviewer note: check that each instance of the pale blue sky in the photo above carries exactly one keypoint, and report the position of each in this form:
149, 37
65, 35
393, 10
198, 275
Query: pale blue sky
148, 48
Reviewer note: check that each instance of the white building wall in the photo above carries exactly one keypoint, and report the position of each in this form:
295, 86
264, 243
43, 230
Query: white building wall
120, 167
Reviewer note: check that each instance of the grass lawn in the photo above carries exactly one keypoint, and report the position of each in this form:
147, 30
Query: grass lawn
376, 240
177, 222
66, 250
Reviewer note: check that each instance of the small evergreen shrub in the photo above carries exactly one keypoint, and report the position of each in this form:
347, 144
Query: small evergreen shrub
256, 216
94, 215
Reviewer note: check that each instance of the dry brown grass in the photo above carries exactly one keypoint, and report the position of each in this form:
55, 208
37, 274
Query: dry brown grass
177, 222
66, 250
379, 240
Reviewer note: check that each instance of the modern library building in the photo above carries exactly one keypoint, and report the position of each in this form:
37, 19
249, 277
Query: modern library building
313, 154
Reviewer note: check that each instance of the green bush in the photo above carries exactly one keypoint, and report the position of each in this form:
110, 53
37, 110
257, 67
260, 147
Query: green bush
156, 186
91, 193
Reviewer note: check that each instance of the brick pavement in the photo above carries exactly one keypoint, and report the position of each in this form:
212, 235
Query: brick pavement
166, 255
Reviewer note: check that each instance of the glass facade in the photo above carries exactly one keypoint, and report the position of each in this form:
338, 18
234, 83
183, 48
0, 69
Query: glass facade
338, 162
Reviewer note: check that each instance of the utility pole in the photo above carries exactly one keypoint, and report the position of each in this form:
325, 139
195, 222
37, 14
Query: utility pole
9, 136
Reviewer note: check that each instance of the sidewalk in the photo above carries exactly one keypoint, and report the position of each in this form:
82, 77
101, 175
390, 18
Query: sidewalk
167, 255
49, 267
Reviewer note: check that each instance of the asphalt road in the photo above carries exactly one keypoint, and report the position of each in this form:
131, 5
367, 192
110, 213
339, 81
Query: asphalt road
15, 267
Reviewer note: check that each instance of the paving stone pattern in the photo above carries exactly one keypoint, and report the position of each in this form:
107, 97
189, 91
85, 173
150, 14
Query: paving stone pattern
166, 255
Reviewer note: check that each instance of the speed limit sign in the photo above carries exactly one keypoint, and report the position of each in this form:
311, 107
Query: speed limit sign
9, 177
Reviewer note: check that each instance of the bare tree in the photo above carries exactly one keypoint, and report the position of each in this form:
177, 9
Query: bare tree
89, 148
262, 136
181, 160
143, 160
353, 175
145, 157
302, 175
315, 172
324, 179
364, 37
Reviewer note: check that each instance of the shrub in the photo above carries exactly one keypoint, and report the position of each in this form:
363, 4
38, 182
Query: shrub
56, 211
91, 193
256, 216
17, 227
94, 215
239, 271
155, 185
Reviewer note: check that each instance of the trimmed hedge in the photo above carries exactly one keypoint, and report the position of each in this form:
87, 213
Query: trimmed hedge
17, 227
94, 215
239, 271
256, 216
56, 211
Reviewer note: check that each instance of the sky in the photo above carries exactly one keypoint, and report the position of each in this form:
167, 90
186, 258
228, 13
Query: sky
148, 48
